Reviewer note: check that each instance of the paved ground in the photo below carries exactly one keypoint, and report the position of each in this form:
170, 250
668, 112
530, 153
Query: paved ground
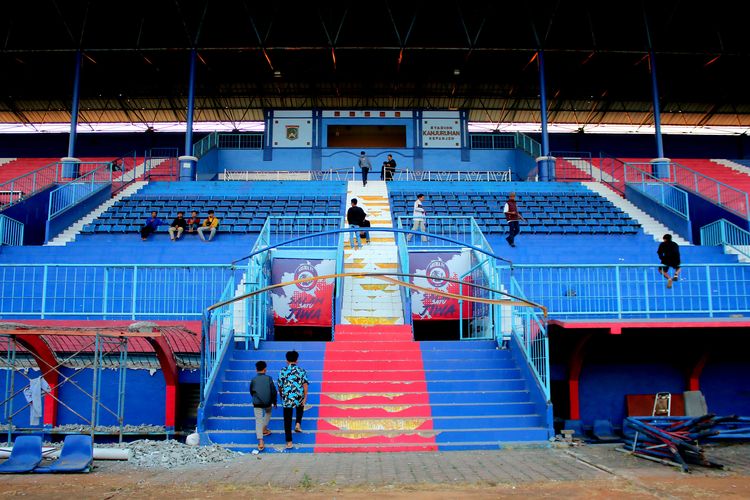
580, 472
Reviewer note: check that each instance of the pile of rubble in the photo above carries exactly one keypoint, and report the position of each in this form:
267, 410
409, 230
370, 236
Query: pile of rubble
171, 453
112, 429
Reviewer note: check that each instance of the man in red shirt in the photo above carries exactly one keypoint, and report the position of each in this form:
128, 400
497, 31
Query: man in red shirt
512, 216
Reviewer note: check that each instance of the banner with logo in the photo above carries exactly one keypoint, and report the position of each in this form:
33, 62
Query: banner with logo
292, 133
427, 306
308, 303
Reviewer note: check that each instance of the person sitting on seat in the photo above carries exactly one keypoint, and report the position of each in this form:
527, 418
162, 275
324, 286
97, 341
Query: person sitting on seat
152, 223
211, 223
178, 226
194, 222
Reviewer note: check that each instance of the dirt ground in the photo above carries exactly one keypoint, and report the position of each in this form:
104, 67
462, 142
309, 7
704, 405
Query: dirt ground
587, 472
106, 486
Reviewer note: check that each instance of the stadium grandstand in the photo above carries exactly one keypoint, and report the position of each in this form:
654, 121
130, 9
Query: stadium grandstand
613, 124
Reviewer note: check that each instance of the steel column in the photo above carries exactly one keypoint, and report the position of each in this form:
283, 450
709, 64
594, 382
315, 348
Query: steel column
543, 104
190, 107
657, 112
74, 106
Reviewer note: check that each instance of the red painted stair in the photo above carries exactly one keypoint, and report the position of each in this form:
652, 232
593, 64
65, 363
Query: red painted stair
374, 392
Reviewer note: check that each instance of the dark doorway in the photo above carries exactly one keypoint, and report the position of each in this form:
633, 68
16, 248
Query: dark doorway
437, 330
302, 333
366, 136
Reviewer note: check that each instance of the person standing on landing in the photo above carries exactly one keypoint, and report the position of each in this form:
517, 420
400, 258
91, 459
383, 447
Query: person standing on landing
263, 392
512, 216
293, 385
365, 166
669, 255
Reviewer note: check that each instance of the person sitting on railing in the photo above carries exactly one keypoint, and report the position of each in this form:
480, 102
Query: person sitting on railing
354, 216
211, 223
194, 222
669, 254
152, 224
418, 218
178, 226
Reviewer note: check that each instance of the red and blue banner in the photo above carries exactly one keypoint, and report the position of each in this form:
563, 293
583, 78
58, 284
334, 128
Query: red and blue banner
427, 306
309, 303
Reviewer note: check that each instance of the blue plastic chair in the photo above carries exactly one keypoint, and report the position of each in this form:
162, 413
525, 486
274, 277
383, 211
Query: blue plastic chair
25, 456
77, 455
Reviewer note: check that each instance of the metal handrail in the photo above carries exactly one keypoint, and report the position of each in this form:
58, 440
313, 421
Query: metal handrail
728, 197
724, 233
70, 194
11, 231
636, 290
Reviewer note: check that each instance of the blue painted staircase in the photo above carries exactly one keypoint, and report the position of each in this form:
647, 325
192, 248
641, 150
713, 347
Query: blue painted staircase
479, 397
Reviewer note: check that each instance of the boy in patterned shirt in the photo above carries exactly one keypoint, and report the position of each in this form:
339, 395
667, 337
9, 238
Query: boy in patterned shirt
293, 389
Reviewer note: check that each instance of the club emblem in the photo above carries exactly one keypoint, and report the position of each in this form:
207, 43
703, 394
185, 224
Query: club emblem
292, 132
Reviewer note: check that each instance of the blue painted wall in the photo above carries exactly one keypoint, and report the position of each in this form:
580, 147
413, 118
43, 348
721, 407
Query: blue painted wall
672, 220
33, 213
704, 211
208, 166
144, 396
726, 385
68, 217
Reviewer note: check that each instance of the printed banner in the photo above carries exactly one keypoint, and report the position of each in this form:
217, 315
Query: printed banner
439, 265
302, 304
441, 133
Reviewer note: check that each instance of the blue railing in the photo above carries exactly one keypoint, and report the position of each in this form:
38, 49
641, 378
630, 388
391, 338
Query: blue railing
26, 185
728, 197
529, 327
110, 291
221, 140
68, 195
11, 231
285, 228
505, 140
722, 232
217, 335
632, 290
655, 188
481, 317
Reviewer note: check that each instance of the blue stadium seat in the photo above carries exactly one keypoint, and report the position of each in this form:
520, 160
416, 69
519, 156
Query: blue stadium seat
25, 455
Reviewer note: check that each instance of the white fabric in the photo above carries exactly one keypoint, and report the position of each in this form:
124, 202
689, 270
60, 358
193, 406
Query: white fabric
33, 394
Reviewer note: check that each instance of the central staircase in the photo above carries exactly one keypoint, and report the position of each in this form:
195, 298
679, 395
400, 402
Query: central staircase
375, 389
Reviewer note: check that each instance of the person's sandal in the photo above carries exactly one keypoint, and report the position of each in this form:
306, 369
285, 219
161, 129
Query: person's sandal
266, 432
297, 428
261, 446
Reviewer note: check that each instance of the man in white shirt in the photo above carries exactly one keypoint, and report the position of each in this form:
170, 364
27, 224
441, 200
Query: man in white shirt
418, 217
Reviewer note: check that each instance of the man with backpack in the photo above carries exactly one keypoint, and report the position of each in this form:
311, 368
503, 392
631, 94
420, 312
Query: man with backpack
263, 392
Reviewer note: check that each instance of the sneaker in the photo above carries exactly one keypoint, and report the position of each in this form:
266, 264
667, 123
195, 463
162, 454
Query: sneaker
676, 278
669, 283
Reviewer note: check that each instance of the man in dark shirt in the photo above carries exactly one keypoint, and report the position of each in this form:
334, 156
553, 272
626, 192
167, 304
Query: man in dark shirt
669, 254
178, 226
355, 216
389, 168
151, 225
263, 393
